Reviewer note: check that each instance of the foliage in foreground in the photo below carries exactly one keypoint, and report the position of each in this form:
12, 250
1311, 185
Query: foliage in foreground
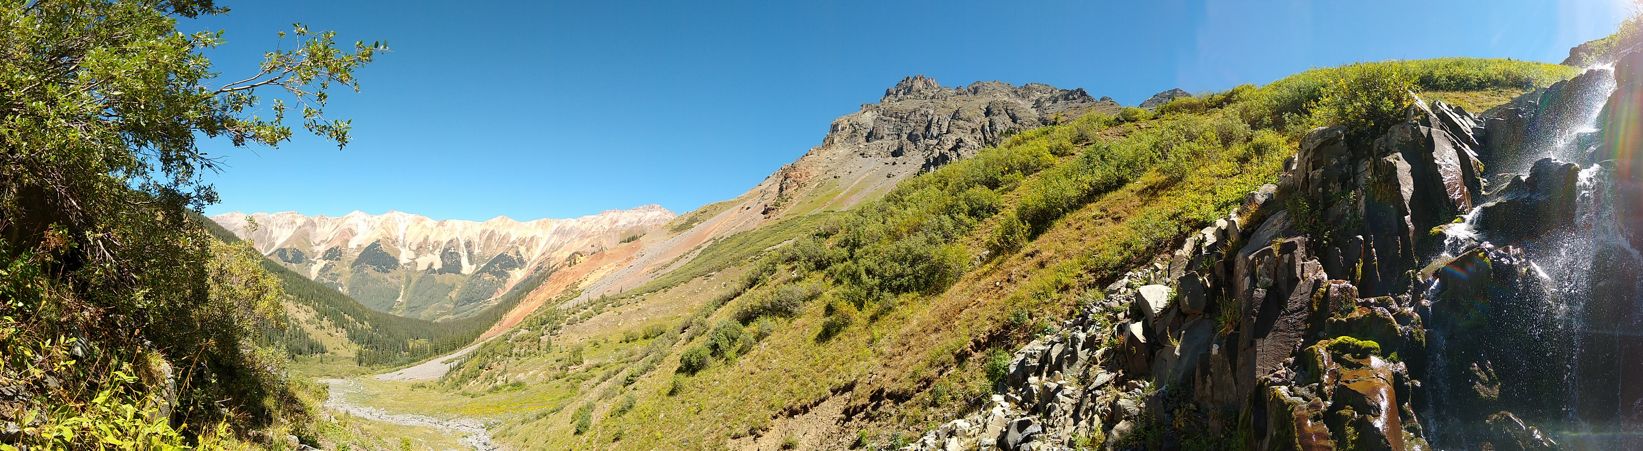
123, 323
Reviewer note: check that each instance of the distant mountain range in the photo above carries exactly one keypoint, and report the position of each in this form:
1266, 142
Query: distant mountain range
414, 266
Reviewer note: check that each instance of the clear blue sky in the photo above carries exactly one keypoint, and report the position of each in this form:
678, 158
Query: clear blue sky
536, 109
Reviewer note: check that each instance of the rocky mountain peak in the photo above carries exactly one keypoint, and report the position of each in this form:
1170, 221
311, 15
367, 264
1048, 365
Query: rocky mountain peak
1159, 99
916, 86
918, 119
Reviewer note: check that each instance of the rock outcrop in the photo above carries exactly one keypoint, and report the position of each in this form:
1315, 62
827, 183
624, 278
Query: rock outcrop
921, 125
1383, 295
1159, 99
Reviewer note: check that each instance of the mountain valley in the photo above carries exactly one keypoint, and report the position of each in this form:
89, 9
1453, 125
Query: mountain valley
1391, 255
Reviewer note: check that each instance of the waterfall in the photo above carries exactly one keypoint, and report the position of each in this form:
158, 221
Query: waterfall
1580, 316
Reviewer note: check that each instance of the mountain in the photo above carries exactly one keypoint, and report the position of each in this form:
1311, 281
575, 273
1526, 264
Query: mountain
419, 267
918, 125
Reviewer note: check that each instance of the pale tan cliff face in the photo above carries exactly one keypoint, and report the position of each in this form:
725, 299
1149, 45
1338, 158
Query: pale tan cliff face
417, 266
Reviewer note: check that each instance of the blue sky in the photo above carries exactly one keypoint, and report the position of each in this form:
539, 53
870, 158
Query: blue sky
558, 109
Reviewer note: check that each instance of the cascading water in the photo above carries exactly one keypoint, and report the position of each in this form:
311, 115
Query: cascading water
1583, 312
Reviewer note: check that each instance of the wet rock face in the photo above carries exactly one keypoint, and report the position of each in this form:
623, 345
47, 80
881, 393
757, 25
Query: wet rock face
1622, 125
1375, 203
1531, 207
1503, 344
1508, 432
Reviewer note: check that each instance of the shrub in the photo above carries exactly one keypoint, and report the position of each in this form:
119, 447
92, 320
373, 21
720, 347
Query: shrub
1133, 114
728, 340
1369, 98
833, 326
808, 254
762, 328
1010, 235
694, 359
622, 407
675, 386
583, 418
998, 366
785, 302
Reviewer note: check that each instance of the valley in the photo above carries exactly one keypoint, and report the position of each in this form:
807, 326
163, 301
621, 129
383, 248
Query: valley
1399, 254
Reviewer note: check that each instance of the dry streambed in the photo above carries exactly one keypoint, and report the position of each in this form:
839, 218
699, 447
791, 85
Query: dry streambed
472, 431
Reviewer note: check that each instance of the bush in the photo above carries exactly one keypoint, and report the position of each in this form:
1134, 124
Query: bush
728, 340
785, 302
675, 386
833, 326
694, 359
918, 264
1133, 114
622, 407
583, 418
1368, 99
762, 328
998, 366
808, 254
1010, 235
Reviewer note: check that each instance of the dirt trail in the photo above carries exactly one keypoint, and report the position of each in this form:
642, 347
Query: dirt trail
473, 432
431, 369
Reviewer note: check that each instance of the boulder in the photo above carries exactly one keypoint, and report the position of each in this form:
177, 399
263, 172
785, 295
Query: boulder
1019, 433
1529, 208
1295, 420
1153, 299
1566, 106
1499, 325
1507, 132
1194, 295
1367, 401
1134, 349
1507, 432
1442, 172
1623, 136
1191, 355
1388, 248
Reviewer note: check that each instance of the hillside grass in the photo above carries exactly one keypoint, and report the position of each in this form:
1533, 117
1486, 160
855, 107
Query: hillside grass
917, 293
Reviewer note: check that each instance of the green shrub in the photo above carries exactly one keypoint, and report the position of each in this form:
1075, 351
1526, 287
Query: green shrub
1133, 114
582, 419
728, 340
622, 407
675, 385
694, 359
833, 326
1368, 99
998, 366
809, 254
840, 313
1010, 235
763, 328
785, 302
